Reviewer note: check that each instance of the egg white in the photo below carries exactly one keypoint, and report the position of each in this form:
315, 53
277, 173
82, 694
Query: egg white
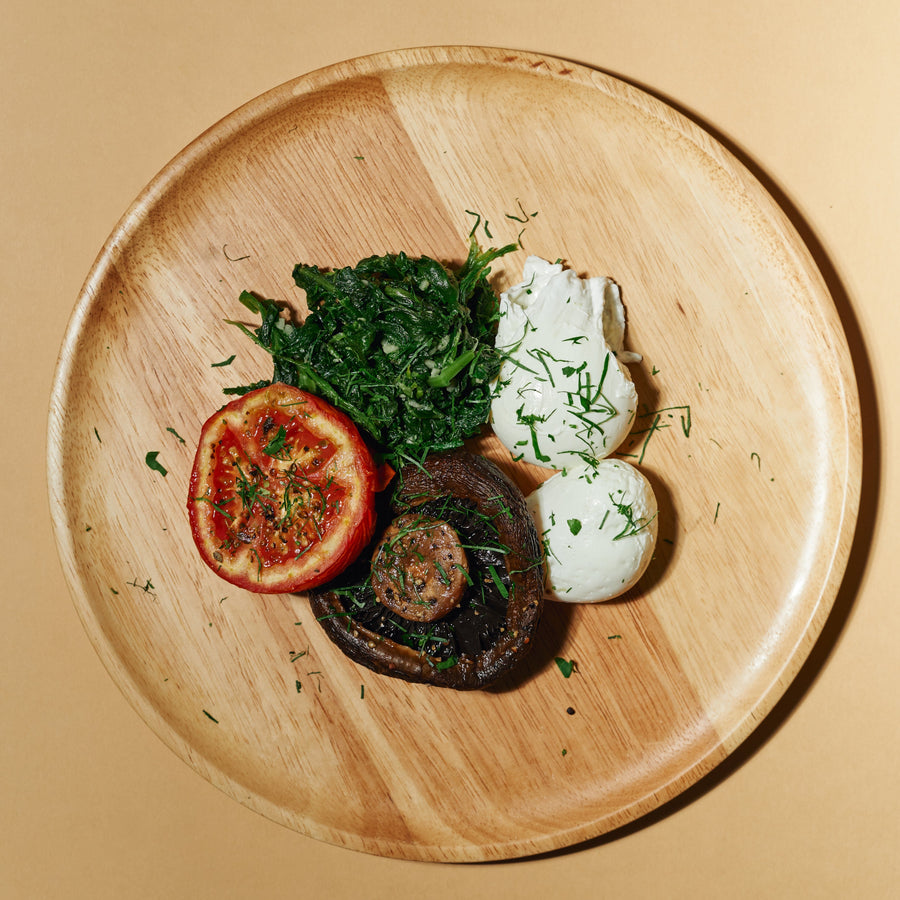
563, 395
599, 528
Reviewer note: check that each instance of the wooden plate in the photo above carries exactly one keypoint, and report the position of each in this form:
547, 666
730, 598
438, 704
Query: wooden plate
749, 430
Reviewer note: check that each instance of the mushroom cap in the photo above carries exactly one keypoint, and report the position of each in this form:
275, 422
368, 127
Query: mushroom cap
470, 477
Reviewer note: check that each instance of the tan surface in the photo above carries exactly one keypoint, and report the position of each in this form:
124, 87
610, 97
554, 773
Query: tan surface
97, 100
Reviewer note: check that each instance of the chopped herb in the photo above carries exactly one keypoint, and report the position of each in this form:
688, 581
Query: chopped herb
644, 435
276, 446
232, 258
614, 637
97, 435
154, 464
299, 685
632, 525
758, 460
362, 692
446, 663
564, 752
501, 587
716, 516
574, 525
567, 667
225, 362
210, 717
147, 587
173, 431
522, 216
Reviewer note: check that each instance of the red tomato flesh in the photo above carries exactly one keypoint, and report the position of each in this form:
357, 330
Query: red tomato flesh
282, 493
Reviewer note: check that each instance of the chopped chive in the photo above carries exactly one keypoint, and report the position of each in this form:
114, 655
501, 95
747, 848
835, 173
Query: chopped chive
504, 592
232, 258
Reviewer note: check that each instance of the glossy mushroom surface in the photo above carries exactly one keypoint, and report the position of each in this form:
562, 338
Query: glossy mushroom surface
491, 627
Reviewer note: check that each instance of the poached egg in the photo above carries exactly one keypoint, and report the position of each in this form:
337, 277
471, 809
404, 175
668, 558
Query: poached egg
599, 527
563, 395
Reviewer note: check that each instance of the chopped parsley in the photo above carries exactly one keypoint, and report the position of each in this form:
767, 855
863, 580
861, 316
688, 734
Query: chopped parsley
567, 667
154, 463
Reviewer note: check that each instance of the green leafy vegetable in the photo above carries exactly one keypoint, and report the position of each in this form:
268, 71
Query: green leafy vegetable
403, 345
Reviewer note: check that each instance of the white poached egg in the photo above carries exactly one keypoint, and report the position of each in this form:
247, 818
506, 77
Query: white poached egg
599, 527
563, 395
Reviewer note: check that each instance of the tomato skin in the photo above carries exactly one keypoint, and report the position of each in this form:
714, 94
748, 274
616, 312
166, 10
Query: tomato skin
282, 491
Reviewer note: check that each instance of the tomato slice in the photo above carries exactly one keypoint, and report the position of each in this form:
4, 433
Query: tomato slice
282, 493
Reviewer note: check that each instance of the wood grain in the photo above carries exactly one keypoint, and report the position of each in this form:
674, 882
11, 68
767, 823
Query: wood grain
748, 430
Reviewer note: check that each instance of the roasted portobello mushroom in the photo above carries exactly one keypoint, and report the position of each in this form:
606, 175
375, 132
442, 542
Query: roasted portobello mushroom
452, 591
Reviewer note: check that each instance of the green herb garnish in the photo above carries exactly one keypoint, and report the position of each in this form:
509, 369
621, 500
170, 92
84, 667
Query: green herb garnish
276, 446
153, 463
567, 667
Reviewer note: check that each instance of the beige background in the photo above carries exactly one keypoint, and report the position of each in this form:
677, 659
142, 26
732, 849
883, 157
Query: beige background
97, 96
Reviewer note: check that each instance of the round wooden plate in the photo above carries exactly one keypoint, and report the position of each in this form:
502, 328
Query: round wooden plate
749, 431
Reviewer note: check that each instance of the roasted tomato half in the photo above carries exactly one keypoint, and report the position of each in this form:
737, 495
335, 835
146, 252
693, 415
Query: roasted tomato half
282, 494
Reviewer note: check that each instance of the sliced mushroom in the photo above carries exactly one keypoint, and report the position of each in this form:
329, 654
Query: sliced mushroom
490, 611
419, 568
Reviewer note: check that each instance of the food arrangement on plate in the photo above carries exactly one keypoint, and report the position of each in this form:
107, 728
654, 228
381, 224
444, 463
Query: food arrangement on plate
649, 693
346, 475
